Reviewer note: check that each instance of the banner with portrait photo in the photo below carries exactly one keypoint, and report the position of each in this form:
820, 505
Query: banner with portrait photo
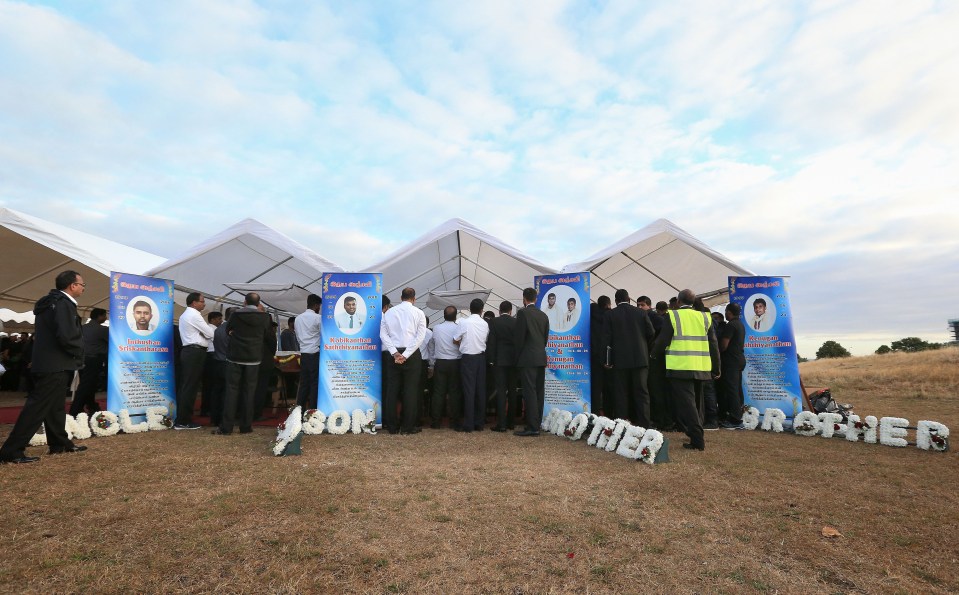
140, 371
565, 300
771, 377
350, 364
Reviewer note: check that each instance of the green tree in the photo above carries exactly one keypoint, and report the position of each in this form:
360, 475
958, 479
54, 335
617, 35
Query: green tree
832, 349
913, 344
883, 349
801, 358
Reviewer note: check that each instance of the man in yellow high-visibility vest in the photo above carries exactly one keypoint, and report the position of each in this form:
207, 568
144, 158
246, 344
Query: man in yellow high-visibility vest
691, 351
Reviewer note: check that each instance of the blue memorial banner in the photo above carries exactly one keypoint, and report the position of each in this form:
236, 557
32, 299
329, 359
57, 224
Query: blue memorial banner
140, 362
771, 377
565, 300
350, 364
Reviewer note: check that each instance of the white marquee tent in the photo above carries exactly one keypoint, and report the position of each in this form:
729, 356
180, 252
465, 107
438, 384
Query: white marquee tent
35, 250
456, 256
244, 253
659, 260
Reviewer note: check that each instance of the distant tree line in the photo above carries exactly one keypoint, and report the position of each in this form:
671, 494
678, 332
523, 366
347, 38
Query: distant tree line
908, 345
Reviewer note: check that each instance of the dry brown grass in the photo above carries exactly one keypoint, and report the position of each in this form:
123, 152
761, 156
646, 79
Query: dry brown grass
447, 512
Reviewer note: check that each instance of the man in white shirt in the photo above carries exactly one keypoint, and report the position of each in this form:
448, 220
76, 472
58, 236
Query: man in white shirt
348, 321
402, 334
195, 334
760, 321
307, 327
570, 317
446, 371
552, 312
471, 339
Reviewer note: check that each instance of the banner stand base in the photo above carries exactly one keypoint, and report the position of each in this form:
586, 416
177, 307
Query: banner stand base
663, 455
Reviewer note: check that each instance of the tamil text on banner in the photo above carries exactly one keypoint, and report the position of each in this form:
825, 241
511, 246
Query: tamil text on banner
565, 300
771, 378
140, 364
350, 364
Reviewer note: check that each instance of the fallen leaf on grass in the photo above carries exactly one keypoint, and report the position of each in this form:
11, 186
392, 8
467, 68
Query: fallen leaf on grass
828, 531
570, 555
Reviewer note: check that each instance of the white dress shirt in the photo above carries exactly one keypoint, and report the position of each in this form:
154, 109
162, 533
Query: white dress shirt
343, 321
307, 329
194, 330
404, 326
472, 334
427, 348
554, 317
443, 345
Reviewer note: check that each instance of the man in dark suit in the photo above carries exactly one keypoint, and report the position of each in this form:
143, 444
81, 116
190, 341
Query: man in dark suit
629, 333
96, 345
250, 330
599, 376
57, 355
501, 350
532, 332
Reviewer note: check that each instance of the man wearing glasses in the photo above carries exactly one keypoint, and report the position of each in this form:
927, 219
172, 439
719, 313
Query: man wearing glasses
57, 355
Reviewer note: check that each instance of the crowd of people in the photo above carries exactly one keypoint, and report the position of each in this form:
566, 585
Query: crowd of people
675, 367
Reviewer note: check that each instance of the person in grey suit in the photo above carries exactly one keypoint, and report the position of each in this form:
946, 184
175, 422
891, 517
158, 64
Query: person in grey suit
628, 334
501, 351
532, 332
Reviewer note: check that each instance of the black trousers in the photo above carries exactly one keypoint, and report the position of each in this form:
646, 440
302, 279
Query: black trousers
240, 392
191, 373
85, 399
447, 382
218, 392
473, 373
308, 391
264, 380
631, 396
684, 392
407, 377
533, 381
730, 385
598, 384
45, 405
710, 404
660, 404
507, 403
206, 391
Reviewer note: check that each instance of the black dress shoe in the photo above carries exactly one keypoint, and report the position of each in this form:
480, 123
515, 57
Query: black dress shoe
691, 446
435, 425
413, 431
219, 432
71, 448
19, 460
246, 430
464, 430
498, 429
526, 432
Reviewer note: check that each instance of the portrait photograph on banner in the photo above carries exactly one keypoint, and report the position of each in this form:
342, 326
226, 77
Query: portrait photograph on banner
565, 301
350, 362
140, 370
771, 377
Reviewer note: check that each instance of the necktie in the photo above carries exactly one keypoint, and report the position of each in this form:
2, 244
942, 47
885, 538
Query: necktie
351, 322
757, 325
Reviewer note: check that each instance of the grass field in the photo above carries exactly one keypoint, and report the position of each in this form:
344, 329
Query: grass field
473, 513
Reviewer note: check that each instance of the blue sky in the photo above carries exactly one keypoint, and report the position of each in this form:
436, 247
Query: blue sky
817, 139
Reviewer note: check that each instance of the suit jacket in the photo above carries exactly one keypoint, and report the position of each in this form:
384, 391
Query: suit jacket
501, 344
58, 339
532, 332
629, 334
250, 332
